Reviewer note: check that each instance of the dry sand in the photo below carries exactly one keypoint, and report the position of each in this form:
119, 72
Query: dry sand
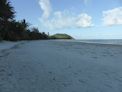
60, 66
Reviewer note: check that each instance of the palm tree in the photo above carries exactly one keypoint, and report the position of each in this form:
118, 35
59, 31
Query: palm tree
6, 11
24, 24
6, 16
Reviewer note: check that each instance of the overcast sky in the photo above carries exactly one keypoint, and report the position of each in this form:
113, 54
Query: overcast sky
83, 19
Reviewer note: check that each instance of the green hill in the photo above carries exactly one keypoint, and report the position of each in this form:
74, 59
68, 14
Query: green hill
61, 36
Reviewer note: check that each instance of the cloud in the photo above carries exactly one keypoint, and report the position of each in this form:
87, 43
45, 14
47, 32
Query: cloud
62, 19
112, 17
83, 20
46, 8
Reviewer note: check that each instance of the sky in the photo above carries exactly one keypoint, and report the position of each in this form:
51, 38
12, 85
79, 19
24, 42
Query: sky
82, 19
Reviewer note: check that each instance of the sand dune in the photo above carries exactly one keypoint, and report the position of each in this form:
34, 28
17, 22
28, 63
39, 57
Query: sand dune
60, 66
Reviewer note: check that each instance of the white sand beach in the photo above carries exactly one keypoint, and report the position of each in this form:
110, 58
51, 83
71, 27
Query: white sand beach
60, 66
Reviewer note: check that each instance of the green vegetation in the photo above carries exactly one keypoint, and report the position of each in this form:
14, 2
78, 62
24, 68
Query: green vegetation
13, 30
60, 36
0, 38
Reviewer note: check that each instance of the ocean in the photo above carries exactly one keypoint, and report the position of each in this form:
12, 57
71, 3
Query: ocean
100, 41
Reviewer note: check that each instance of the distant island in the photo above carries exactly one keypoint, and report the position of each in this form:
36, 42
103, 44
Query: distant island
61, 36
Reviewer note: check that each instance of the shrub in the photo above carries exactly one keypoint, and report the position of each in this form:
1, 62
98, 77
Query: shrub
0, 38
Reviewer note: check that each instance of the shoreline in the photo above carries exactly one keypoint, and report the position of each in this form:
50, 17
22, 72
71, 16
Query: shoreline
75, 41
88, 43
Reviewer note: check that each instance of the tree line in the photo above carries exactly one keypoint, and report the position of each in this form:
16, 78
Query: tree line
13, 30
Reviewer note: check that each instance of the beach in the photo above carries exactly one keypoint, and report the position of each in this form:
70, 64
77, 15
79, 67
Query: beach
60, 66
